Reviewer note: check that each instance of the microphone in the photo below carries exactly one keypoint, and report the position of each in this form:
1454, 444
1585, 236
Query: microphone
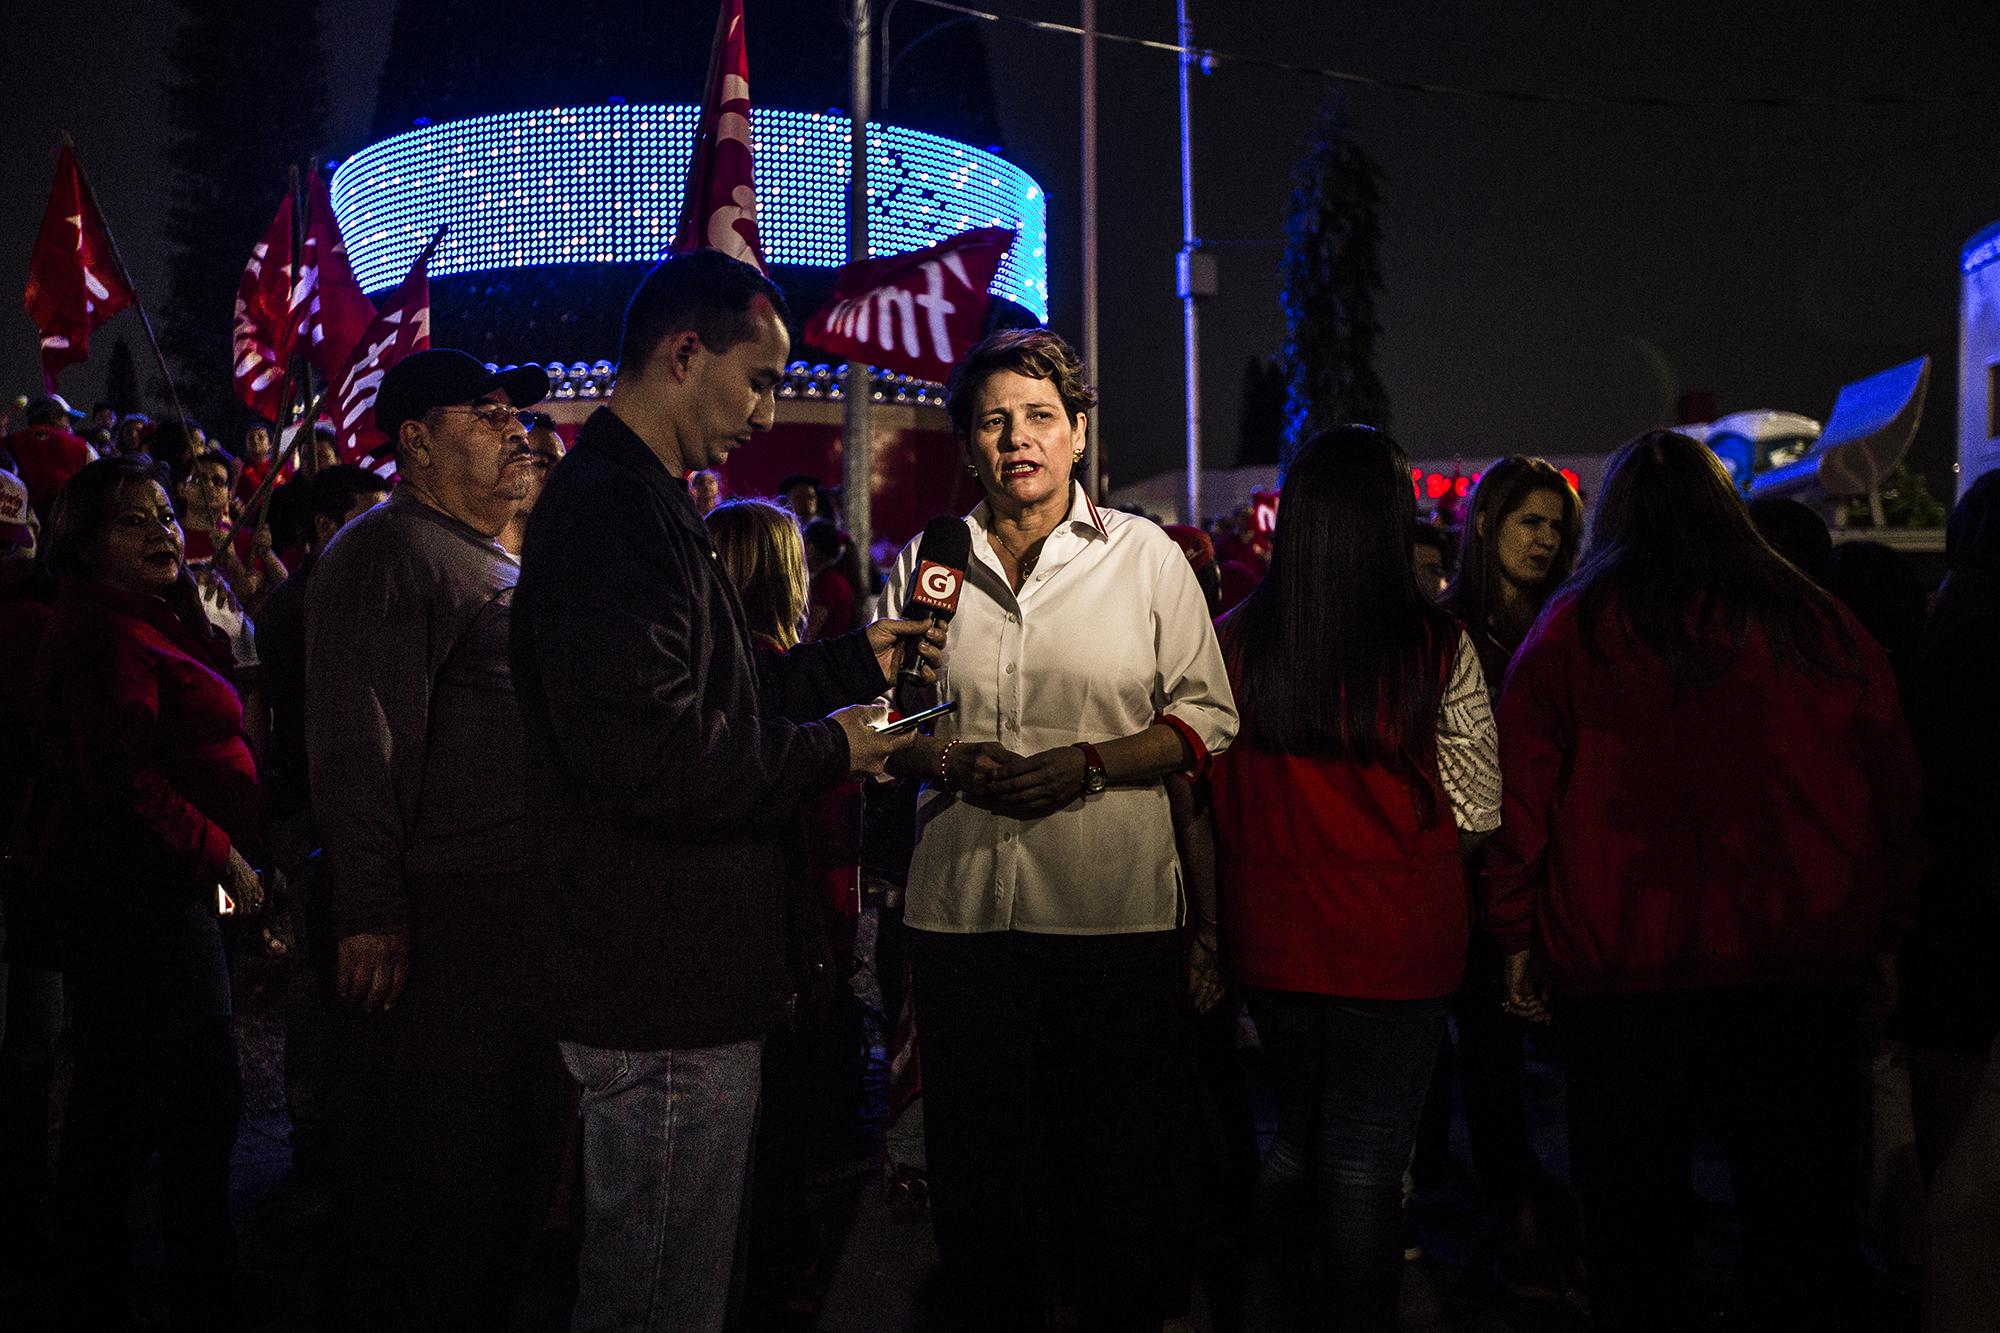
941, 561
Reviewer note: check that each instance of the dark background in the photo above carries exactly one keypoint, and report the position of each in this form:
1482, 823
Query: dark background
1555, 275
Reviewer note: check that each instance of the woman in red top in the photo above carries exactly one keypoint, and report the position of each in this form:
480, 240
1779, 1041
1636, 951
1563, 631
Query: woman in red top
1711, 800
154, 798
1365, 761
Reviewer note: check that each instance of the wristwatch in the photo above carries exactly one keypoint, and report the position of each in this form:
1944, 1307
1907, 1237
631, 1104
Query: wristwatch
1093, 769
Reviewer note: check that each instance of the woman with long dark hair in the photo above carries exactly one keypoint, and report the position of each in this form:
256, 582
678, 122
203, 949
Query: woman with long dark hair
1711, 798
1366, 759
1523, 526
154, 803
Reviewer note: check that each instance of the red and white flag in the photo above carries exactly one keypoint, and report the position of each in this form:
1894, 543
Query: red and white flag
719, 207
917, 313
74, 282
336, 312
262, 338
402, 327
289, 304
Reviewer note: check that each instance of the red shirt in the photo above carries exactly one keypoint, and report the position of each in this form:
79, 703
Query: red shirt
832, 592
1335, 878
1754, 829
48, 456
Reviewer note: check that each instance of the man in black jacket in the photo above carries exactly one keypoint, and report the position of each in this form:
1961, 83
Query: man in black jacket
665, 790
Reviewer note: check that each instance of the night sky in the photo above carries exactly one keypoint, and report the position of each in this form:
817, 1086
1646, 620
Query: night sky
1555, 275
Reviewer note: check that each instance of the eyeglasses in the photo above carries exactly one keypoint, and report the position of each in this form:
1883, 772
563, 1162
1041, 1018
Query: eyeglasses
496, 416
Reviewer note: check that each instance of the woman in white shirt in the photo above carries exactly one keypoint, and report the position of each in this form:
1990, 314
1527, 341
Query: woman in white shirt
1045, 900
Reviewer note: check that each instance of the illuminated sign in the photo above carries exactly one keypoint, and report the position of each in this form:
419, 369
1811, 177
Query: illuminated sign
602, 184
1437, 485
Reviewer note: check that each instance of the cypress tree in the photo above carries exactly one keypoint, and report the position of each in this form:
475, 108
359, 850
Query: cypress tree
1331, 271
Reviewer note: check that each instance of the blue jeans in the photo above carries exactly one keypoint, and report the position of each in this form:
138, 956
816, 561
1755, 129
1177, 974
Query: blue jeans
1349, 1077
666, 1155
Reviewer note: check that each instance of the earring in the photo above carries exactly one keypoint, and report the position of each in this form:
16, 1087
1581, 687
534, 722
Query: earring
1076, 457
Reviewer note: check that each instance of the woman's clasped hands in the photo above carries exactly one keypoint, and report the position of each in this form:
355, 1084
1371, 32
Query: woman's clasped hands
992, 777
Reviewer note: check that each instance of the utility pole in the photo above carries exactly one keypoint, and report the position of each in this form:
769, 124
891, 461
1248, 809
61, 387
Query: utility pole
1196, 278
856, 463
1095, 475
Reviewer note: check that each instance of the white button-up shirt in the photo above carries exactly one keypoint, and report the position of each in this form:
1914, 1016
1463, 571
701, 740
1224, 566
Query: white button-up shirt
1108, 635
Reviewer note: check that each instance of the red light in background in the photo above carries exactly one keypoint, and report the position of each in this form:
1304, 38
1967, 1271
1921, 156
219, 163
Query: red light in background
1462, 487
1436, 484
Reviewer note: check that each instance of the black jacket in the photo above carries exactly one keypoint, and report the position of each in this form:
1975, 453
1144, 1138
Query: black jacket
660, 787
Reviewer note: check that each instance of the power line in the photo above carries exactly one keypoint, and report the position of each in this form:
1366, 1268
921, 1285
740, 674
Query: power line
1210, 58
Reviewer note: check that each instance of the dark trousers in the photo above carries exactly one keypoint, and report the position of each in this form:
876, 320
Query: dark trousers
30, 1029
1488, 1058
1057, 1088
142, 1084
1777, 1063
1349, 1077
449, 1116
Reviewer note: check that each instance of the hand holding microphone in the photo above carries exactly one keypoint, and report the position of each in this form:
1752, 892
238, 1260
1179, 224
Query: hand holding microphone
934, 588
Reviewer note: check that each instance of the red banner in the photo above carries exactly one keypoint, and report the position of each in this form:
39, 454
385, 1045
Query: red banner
296, 304
403, 327
263, 326
719, 207
74, 283
916, 313
337, 312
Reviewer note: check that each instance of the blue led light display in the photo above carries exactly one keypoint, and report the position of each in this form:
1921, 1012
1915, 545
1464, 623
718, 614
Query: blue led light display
602, 184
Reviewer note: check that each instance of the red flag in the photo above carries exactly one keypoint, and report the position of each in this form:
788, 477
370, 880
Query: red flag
403, 327
74, 282
719, 206
263, 327
917, 313
337, 312
287, 304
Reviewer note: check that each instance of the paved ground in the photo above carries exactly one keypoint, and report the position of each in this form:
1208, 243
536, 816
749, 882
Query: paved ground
873, 1272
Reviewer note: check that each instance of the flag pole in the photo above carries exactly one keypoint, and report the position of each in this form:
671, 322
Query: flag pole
138, 303
857, 467
260, 499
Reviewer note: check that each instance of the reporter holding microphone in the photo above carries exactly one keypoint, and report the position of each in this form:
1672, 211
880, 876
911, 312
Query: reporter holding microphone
669, 766
1045, 905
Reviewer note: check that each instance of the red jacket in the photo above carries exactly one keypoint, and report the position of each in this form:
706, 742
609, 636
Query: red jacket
46, 457
1755, 829
1336, 879
142, 735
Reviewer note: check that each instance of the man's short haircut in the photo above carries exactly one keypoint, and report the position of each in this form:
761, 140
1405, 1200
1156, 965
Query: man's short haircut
800, 479
706, 292
335, 489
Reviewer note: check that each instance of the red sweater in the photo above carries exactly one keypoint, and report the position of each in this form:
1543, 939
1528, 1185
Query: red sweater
1756, 829
143, 737
1335, 879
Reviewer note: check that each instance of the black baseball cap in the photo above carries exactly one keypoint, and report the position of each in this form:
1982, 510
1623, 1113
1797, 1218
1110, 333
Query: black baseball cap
445, 377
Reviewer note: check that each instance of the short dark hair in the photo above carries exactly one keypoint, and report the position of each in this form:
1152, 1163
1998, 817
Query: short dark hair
707, 292
1038, 354
333, 490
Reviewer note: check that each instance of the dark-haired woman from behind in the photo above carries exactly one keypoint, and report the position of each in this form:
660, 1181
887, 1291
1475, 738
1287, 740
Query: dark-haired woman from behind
1365, 767
154, 803
1711, 805
1523, 526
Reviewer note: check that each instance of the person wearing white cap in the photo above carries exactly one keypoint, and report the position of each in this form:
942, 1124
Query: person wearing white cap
46, 452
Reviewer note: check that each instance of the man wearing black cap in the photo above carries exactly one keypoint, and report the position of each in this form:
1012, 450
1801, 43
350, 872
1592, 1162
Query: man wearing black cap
447, 1093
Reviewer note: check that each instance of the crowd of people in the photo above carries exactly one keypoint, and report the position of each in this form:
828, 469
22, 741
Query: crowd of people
556, 774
